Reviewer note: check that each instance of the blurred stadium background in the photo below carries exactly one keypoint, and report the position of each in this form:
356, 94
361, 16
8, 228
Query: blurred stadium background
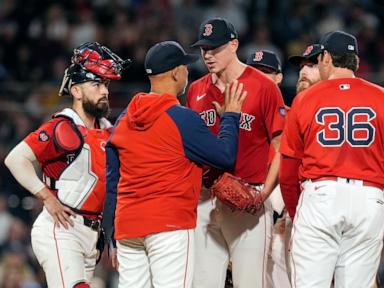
37, 38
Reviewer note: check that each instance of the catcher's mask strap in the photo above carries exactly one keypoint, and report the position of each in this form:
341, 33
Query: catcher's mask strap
64, 83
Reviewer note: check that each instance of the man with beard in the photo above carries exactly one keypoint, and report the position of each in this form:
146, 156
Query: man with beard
70, 150
308, 75
309, 72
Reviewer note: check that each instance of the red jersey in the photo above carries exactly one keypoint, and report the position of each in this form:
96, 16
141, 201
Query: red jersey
262, 118
335, 127
57, 163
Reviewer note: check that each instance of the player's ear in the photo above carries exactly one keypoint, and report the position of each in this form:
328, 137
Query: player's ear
76, 91
279, 78
327, 57
234, 45
175, 73
358, 62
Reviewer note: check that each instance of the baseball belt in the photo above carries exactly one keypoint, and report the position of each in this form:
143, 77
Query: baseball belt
335, 178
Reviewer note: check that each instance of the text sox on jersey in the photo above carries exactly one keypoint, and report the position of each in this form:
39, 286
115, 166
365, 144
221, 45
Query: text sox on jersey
209, 117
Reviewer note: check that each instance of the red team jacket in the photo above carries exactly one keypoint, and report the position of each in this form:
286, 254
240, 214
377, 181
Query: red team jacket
262, 118
336, 128
54, 160
154, 159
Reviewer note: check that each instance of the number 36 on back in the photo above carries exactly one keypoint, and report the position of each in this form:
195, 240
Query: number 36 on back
353, 126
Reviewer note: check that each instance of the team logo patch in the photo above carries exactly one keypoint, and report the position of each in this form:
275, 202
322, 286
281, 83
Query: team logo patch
258, 56
70, 158
43, 136
308, 50
282, 111
208, 29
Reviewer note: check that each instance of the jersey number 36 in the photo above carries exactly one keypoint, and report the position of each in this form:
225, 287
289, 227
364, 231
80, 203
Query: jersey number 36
353, 126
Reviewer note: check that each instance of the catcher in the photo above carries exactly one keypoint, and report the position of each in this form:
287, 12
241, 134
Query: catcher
70, 150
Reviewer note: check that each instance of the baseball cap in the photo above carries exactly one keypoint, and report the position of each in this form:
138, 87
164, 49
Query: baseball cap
310, 54
165, 56
265, 58
339, 42
215, 32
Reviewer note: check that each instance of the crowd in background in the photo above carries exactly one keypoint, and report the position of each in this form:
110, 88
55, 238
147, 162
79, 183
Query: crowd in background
37, 38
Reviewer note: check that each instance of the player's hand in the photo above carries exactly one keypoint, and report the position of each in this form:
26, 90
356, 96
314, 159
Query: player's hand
265, 194
115, 262
234, 98
60, 213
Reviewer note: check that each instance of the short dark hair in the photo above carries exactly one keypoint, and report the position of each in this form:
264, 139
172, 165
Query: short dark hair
345, 60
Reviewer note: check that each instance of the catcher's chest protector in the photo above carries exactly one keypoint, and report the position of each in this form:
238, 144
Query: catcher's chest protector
82, 183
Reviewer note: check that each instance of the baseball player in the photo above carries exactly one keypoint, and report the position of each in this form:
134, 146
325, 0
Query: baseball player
154, 160
307, 62
333, 134
222, 235
309, 74
70, 150
267, 62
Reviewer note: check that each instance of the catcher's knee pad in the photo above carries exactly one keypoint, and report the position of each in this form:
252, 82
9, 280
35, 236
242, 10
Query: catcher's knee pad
82, 285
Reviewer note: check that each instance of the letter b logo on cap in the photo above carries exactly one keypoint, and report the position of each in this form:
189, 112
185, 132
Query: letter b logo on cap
258, 56
208, 29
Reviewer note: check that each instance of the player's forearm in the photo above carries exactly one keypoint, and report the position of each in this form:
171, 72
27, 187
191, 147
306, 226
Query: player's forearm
20, 162
273, 173
289, 183
273, 176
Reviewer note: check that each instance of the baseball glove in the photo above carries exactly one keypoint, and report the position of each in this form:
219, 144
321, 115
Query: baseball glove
237, 194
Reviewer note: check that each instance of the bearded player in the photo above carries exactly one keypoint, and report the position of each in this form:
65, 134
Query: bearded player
69, 149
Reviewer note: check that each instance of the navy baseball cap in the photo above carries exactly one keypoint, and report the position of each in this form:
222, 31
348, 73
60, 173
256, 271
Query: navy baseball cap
215, 32
339, 42
310, 54
265, 58
165, 56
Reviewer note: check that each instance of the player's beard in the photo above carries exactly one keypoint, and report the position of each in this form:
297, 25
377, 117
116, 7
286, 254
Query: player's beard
97, 110
303, 84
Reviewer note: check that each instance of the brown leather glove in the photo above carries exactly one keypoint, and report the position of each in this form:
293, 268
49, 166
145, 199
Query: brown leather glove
237, 194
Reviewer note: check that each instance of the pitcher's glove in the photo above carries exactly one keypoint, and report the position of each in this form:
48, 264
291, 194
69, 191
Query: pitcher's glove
237, 194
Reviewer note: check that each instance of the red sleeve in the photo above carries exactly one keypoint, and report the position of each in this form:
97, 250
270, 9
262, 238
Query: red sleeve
274, 111
42, 143
289, 183
291, 141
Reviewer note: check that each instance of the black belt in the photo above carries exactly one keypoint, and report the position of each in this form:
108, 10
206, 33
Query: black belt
94, 224
255, 184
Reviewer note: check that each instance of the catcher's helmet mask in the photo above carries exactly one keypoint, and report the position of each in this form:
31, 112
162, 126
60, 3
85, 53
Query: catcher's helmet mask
92, 62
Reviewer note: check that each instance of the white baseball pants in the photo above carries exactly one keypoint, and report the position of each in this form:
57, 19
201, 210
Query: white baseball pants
161, 260
223, 235
277, 264
338, 232
68, 256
